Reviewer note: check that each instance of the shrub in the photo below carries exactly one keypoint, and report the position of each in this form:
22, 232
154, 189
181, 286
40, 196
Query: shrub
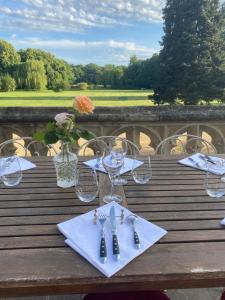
61, 86
82, 86
7, 83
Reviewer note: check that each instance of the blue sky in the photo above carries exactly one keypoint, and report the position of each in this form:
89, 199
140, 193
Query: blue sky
84, 31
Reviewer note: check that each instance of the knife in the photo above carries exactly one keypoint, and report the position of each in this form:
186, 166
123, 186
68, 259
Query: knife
208, 158
116, 250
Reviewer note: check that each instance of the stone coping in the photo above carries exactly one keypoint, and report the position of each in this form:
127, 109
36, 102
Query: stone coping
122, 114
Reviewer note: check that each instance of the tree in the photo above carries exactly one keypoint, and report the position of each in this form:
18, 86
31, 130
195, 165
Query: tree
149, 73
78, 73
107, 75
30, 75
7, 83
59, 73
112, 76
118, 77
8, 57
92, 73
58, 83
192, 59
133, 72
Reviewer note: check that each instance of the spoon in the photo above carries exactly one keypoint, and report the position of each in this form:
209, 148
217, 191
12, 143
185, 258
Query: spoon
132, 219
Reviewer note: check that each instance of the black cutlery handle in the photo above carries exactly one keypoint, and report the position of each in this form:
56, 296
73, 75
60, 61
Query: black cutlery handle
210, 160
116, 249
103, 251
136, 238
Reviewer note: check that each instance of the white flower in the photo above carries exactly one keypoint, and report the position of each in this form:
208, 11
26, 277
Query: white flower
62, 118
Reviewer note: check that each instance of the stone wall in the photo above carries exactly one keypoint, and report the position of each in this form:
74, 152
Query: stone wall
154, 123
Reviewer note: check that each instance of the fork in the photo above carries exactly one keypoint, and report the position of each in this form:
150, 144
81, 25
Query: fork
103, 252
195, 162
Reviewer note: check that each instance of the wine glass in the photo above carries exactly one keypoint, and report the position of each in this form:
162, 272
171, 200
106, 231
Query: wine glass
86, 185
11, 170
97, 147
113, 166
118, 152
214, 183
143, 173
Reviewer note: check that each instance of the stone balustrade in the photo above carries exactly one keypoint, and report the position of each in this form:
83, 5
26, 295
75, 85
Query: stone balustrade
151, 124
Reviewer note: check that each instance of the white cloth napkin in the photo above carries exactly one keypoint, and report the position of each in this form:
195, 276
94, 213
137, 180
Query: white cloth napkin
195, 161
129, 164
13, 167
222, 222
84, 237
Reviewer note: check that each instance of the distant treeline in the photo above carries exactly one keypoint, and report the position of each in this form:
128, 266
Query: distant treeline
138, 74
35, 69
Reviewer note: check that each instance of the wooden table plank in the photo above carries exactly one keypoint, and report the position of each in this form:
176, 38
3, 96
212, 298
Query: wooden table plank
63, 271
141, 204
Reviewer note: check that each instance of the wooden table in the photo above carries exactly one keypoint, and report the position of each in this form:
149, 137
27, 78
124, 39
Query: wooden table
35, 261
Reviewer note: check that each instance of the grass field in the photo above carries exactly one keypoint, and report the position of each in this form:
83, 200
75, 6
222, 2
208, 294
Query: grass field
99, 97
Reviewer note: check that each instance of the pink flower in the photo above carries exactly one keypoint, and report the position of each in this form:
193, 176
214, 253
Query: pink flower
62, 118
83, 104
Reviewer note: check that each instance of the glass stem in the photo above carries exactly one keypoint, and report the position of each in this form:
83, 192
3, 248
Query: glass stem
112, 186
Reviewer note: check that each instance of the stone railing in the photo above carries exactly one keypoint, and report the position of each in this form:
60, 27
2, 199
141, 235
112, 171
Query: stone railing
140, 124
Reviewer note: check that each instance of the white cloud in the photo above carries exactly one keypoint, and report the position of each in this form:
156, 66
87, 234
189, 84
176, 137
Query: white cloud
67, 44
75, 15
102, 52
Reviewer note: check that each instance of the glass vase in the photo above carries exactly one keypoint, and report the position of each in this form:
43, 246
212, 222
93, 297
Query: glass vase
66, 167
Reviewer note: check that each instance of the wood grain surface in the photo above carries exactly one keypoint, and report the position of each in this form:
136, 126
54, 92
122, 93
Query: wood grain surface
35, 261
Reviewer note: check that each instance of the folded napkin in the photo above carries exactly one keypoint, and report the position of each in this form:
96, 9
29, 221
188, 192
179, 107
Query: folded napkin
222, 222
84, 237
195, 161
13, 167
129, 164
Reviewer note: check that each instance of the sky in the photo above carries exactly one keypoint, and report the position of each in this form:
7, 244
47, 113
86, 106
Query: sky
84, 31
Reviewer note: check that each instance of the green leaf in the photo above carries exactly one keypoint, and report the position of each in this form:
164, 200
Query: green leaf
51, 137
70, 110
51, 126
87, 135
39, 136
75, 134
72, 140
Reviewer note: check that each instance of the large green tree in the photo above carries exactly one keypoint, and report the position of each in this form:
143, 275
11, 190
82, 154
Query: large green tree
149, 74
192, 59
142, 73
132, 73
8, 57
59, 73
78, 73
92, 73
30, 75
112, 76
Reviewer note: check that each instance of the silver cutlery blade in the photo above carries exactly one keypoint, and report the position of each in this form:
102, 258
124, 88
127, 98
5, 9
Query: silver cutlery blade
116, 250
113, 218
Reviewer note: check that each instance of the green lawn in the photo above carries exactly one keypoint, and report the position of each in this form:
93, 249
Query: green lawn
99, 97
